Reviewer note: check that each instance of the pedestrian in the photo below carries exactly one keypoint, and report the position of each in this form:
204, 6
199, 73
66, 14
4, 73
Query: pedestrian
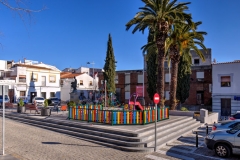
35, 104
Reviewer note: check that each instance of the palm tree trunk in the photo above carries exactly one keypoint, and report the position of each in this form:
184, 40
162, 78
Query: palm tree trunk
160, 39
175, 59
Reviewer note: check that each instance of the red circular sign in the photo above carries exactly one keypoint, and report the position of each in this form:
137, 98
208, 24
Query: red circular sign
156, 98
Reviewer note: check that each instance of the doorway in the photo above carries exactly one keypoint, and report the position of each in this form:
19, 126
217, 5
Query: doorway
200, 98
225, 106
33, 94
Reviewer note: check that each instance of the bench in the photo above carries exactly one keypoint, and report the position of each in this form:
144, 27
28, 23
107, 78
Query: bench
30, 107
9, 105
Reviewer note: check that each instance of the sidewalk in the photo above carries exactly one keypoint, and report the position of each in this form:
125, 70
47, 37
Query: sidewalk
7, 157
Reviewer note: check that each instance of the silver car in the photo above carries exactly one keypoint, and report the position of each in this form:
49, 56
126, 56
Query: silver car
224, 142
225, 125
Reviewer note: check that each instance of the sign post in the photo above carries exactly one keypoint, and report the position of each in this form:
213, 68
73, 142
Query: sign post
156, 99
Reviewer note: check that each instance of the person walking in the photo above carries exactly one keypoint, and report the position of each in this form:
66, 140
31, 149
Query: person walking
35, 104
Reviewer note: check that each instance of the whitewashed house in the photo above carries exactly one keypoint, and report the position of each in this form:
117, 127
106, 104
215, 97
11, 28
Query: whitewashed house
226, 88
86, 85
35, 79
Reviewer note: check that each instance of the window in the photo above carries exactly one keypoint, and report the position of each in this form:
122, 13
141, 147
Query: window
225, 81
167, 77
81, 83
22, 78
22, 93
43, 94
52, 78
233, 125
34, 77
196, 61
90, 83
52, 94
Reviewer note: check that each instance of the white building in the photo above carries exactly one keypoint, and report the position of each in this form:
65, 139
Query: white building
85, 84
35, 79
226, 87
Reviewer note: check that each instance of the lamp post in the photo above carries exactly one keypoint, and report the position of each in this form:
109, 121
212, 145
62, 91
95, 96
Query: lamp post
93, 78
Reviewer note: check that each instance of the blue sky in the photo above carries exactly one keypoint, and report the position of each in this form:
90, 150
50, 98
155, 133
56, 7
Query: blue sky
72, 33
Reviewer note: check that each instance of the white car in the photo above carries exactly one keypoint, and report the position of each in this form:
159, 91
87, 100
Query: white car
39, 100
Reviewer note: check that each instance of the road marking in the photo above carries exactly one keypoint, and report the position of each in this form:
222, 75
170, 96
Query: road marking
174, 155
155, 157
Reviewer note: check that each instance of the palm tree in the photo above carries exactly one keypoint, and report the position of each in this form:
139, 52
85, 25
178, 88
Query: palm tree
159, 15
182, 38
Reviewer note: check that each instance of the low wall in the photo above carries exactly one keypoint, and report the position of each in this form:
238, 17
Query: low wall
181, 113
208, 118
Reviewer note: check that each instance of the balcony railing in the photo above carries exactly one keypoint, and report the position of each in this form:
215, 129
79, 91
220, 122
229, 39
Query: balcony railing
22, 80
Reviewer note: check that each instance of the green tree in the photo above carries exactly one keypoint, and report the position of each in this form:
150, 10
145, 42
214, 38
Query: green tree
183, 83
110, 67
182, 37
151, 60
159, 16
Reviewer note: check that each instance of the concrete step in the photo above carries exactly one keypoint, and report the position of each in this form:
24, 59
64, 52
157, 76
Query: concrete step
94, 135
168, 137
167, 129
139, 141
163, 125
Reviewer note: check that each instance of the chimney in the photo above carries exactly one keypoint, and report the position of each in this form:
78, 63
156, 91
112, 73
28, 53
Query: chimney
24, 60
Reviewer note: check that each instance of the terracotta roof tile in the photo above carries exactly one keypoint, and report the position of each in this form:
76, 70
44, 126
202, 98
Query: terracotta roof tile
30, 66
69, 75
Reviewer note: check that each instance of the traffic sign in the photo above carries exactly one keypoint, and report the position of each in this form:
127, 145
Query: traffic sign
156, 98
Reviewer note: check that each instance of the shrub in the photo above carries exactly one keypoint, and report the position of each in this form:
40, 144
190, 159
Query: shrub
71, 103
184, 109
45, 103
21, 103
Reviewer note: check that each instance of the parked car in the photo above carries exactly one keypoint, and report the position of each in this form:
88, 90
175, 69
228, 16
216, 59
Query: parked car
55, 100
25, 100
7, 99
225, 125
235, 116
224, 142
39, 100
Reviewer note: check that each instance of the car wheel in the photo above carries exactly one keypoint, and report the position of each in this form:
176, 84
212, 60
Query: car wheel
222, 150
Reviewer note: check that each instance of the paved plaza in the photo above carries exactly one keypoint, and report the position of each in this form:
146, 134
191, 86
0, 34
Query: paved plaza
26, 142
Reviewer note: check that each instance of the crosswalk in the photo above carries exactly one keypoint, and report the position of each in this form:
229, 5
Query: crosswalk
181, 149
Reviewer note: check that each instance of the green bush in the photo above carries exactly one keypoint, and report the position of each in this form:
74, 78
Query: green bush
45, 103
184, 109
21, 103
71, 103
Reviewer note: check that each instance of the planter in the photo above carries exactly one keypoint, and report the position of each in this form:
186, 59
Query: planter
45, 111
23, 109
18, 109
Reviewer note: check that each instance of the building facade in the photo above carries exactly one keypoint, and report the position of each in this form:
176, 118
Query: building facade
33, 79
226, 88
129, 82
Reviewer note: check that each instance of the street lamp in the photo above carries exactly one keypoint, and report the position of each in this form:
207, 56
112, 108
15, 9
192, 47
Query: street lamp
93, 78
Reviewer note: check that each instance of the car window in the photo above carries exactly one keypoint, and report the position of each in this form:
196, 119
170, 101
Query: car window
54, 98
234, 130
233, 125
237, 116
39, 98
6, 97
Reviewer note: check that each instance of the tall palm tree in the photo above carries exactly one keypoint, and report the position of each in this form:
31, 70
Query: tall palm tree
159, 15
182, 38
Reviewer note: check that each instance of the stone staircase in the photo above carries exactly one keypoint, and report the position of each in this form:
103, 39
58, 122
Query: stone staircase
138, 140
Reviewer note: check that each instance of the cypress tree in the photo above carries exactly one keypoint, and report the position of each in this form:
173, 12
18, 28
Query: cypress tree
151, 60
183, 84
110, 67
